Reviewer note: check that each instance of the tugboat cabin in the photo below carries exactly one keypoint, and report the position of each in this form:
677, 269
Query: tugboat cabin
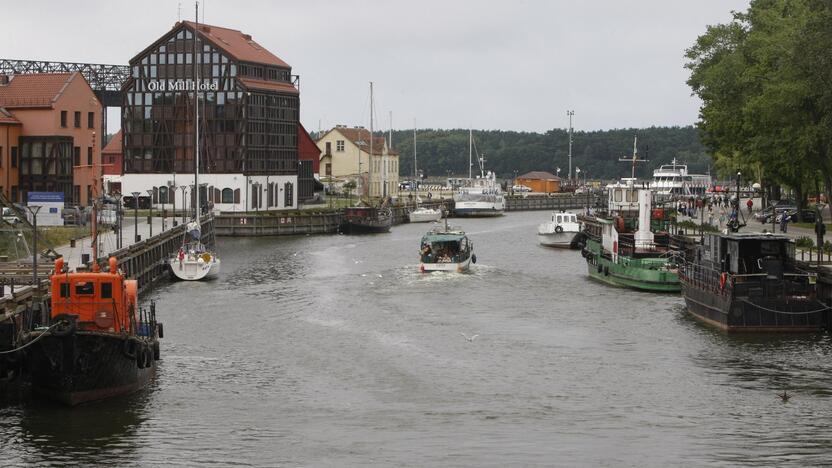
101, 301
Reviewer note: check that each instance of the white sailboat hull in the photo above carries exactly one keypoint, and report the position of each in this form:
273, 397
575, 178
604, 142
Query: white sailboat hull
194, 268
425, 215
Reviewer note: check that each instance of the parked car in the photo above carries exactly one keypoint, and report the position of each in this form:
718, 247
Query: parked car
10, 216
129, 202
521, 188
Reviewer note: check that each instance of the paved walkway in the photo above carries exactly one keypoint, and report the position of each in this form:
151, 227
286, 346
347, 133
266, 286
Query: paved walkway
107, 240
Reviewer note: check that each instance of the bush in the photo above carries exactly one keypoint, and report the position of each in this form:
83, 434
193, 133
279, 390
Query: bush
804, 242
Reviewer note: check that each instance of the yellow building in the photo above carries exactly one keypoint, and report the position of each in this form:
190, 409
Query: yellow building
345, 155
540, 181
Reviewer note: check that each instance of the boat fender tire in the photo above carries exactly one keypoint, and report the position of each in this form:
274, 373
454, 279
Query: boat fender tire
66, 325
156, 352
160, 330
129, 348
558, 229
723, 278
148, 356
474, 258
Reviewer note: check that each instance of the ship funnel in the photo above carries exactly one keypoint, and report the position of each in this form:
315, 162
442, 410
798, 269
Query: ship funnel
644, 236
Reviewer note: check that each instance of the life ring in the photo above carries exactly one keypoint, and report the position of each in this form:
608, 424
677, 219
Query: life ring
558, 229
723, 278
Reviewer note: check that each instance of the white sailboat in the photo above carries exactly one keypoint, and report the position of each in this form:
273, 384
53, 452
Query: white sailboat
194, 261
421, 214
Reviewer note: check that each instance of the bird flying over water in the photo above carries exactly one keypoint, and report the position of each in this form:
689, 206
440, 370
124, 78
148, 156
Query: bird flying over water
469, 338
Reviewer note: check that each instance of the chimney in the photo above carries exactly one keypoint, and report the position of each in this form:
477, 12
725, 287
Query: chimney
247, 37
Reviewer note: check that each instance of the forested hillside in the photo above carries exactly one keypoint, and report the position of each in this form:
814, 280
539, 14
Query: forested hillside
596, 153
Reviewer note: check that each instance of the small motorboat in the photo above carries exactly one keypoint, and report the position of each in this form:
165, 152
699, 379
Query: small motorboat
425, 215
446, 248
561, 231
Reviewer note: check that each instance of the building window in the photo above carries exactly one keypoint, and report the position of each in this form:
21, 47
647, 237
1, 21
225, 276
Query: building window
77, 119
14, 156
339, 145
328, 169
227, 195
76, 156
163, 195
90, 119
14, 194
287, 194
89, 194
63, 119
328, 148
89, 156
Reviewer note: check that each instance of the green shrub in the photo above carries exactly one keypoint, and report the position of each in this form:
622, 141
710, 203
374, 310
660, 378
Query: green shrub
804, 242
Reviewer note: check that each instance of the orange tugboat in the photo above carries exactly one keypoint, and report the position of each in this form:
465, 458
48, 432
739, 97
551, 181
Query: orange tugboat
98, 344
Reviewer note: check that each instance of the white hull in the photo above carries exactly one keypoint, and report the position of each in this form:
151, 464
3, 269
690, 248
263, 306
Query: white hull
452, 267
192, 269
554, 239
425, 216
463, 208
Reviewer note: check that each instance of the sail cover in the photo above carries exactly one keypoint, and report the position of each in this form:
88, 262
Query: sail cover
194, 230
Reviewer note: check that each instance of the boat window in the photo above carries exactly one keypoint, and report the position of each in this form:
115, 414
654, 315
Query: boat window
618, 195
631, 196
85, 288
559, 219
64, 289
106, 290
769, 248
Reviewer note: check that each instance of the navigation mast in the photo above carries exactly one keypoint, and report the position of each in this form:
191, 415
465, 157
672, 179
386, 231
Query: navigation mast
634, 158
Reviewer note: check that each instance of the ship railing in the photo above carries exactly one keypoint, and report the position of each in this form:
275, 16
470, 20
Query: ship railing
706, 278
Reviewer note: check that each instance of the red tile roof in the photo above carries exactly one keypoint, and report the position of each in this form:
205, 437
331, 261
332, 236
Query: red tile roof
543, 175
361, 138
278, 86
35, 90
114, 145
238, 44
6, 117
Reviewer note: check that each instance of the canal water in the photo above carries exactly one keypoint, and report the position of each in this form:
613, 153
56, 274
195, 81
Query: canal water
335, 351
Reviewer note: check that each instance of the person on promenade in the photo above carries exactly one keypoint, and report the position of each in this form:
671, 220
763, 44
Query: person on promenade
750, 205
784, 222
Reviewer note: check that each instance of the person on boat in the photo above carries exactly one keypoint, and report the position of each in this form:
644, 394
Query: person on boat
181, 256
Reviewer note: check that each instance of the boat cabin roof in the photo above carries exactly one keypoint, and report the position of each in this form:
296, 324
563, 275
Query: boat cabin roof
444, 237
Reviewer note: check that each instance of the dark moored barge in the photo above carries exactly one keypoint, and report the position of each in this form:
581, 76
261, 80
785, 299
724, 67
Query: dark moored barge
750, 282
366, 219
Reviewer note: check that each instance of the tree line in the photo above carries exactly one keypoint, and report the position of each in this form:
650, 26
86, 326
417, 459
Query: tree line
596, 153
765, 79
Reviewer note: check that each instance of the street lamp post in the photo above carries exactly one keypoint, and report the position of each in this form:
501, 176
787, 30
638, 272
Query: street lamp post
183, 187
150, 216
136, 215
34, 210
118, 220
570, 113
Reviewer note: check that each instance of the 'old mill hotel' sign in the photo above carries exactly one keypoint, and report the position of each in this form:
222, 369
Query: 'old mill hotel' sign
181, 85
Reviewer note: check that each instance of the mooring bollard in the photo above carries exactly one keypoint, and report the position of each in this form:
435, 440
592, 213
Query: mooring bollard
72, 243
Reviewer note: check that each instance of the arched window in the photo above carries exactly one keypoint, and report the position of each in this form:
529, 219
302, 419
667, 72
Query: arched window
227, 195
163, 195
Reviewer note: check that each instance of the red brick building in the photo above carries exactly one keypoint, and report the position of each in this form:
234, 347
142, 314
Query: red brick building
49, 136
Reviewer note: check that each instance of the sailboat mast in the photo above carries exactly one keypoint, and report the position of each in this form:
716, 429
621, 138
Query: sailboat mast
196, 115
415, 173
470, 151
370, 171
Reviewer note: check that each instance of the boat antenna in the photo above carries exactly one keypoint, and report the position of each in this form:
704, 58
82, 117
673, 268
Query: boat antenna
415, 173
634, 159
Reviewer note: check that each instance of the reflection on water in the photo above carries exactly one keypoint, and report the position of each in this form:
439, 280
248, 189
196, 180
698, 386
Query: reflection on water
336, 350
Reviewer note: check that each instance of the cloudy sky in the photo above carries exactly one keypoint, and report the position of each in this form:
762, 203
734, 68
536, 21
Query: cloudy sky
512, 65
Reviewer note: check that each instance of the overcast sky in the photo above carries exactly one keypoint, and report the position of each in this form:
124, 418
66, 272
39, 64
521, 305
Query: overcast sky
512, 65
